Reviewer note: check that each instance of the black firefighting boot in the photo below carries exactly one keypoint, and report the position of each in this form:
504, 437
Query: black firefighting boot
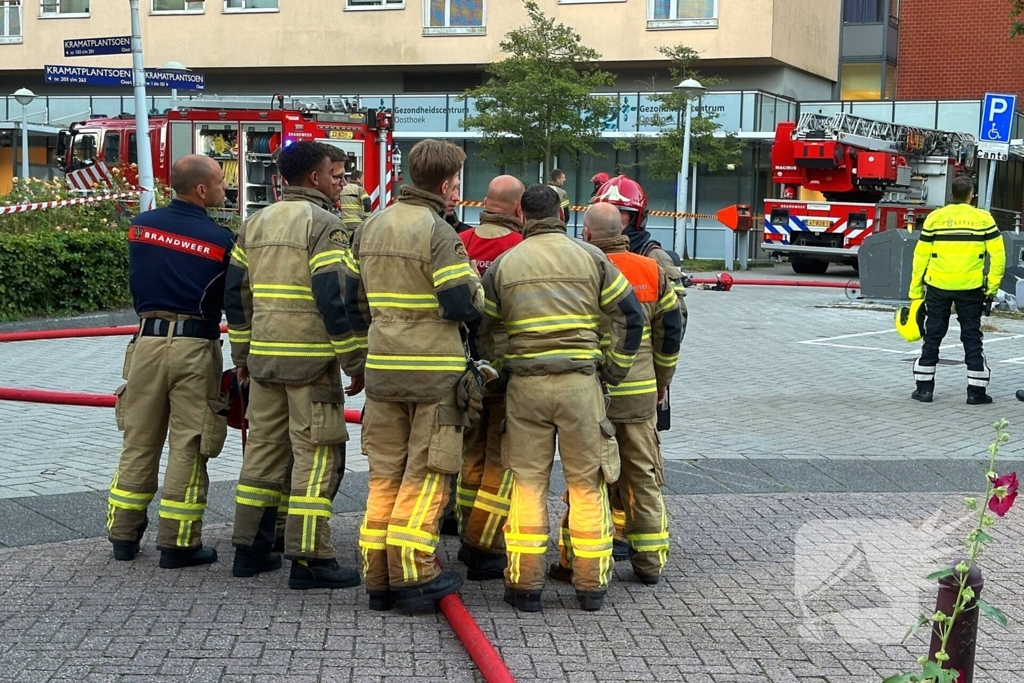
590, 601
646, 579
381, 601
126, 550
977, 396
308, 574
924, 391
250, 563
558, 572
481, 566
524, 601
278, 545
193, 557
408, 599
620, 550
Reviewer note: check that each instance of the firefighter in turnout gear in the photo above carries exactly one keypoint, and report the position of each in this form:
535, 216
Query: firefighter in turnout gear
484, 489
550, 292
355, 203
631, 201
633, 405
177, 258
950, 259
408, 275
557, 183
290, 335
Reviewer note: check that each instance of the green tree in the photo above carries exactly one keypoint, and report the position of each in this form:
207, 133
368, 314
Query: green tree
666, 150
538, 101
1017, 13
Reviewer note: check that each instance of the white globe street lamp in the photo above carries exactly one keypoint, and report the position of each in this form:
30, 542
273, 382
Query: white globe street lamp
24, 96
690, 89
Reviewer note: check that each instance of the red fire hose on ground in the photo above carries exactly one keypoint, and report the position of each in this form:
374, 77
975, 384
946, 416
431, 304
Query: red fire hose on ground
780, 283
481, 650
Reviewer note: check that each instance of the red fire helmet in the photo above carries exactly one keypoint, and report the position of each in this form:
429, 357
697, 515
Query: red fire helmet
600, 178
625, 194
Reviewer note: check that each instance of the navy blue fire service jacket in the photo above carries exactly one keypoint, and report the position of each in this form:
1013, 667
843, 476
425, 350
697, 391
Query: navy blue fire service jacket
177, 258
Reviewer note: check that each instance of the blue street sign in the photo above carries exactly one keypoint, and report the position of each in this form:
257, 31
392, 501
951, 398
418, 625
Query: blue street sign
155, 78
87, 47
997, 118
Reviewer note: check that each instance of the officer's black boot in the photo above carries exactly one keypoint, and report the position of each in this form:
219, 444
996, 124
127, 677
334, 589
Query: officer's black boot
620, 550
923, 393
308, 574
193, 557
250, 563
558, 572
407, 599
278, 545
481, 566
590, 601
125, 551
381, 601
977, 396
646, 579
524, 601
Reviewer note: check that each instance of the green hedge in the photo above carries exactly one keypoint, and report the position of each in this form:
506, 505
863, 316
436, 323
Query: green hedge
54, 272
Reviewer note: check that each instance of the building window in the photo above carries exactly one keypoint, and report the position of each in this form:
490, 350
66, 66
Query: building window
250, 5
374, 4
195, 6
861, 81
10, 21
663, 14
453, 17
64, 8
864, 11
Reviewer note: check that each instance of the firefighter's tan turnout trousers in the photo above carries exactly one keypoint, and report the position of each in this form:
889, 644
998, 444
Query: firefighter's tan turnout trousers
484, 490
412, 449
636, 498
570, 405
172, 393
295, 441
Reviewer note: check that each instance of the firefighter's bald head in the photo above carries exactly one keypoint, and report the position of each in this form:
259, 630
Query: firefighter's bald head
198, 179
504, 195
601, 222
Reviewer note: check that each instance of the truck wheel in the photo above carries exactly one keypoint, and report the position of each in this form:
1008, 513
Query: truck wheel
802, 266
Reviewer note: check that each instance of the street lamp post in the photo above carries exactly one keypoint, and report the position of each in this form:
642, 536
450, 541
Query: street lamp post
144, 148
690, 89
24, 96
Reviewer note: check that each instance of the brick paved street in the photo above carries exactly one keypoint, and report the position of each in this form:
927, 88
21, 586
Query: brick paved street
807, 493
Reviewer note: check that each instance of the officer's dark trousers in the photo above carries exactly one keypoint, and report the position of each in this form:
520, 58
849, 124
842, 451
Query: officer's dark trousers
969, 306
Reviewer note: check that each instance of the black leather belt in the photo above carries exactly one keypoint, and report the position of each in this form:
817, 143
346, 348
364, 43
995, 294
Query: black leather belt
199, 329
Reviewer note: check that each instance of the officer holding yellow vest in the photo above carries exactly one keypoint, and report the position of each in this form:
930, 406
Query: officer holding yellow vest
950, 259
290, 334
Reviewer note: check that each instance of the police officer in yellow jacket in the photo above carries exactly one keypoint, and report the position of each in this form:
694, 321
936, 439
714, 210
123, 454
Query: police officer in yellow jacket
550, 292
408, 275
633, 405
950, 259
355, 203
290, 334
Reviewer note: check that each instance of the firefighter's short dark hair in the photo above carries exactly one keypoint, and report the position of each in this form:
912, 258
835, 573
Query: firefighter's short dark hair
556, 174
539, 202
299, 159
355, 176
432, 162
963, 186
334, 154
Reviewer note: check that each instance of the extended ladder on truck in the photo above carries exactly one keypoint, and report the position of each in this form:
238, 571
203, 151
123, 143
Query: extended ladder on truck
881, 136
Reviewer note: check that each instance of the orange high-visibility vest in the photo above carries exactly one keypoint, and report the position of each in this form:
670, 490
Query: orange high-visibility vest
641, 272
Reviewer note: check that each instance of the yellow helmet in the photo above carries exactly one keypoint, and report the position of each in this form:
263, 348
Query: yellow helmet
910, 320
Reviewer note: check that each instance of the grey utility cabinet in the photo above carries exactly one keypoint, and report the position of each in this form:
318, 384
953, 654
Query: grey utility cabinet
886, 262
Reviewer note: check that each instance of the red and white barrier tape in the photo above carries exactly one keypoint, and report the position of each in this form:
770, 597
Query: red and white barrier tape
42, 206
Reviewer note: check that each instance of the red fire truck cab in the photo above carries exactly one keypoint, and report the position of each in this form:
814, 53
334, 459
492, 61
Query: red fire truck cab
244, 140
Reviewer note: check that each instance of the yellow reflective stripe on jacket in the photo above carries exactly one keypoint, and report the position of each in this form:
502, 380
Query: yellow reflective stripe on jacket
614, 290
558, 353
351, 262
667, 302
621, 359
644, 386
240, 336
348, 345
553, 323
666, 360
238, 254
381, 361
282, 292
491, 308
291, 349
400, 300
327, 258
454, 272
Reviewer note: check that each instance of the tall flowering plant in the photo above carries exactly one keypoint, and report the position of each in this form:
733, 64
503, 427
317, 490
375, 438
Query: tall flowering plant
1000, 494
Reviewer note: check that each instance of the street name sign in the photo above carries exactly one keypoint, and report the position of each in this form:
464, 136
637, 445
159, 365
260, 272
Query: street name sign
88, 47
104, 76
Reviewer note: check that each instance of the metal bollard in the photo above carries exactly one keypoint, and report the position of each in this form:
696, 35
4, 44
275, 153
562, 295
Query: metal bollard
1016, 224
963, 639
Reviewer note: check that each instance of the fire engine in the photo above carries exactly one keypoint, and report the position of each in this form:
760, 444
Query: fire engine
873, 175
244, 138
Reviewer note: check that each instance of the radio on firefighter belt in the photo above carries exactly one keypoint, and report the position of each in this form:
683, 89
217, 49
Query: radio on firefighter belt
236, 396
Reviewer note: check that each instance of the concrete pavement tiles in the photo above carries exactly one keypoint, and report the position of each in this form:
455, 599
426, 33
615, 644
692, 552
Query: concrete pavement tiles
780, 588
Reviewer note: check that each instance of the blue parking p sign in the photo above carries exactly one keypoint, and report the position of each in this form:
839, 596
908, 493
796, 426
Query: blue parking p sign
997, 118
